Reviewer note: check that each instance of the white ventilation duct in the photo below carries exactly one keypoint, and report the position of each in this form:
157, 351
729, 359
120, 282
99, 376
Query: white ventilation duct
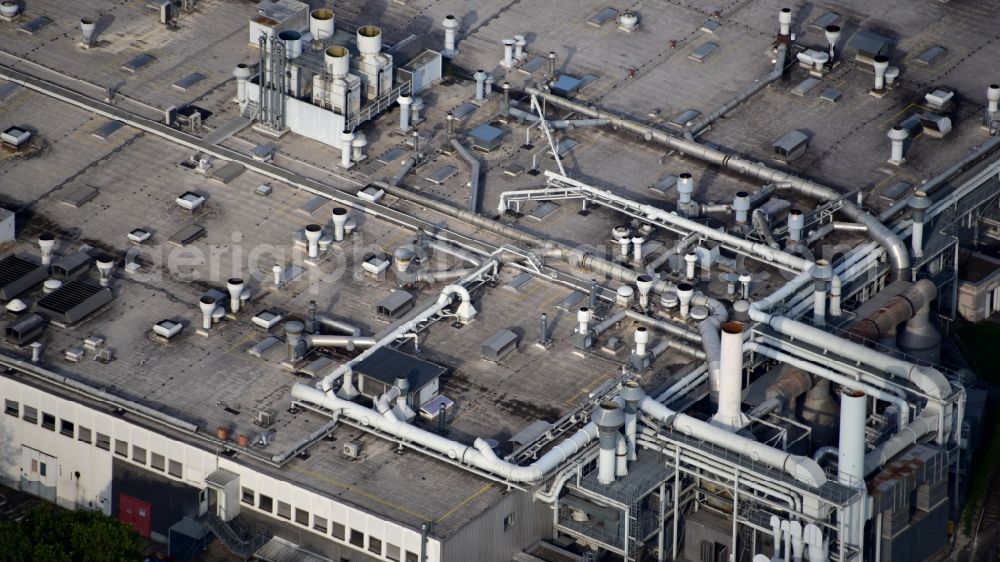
340, 217
685, 291
641, 340
919, 203
415, 109
450, 25
609, 419
631, 395
292, 42
404, 112
358, 146
278, 272
321, 24
645, 284
993, 99
741, 206
338, 61
508, 53
637, 242
87, 27
519, 43
822, 273
745, 281
898, 136
46, 242
242, 75
346, 138
685, 187
313, 233
235, 286
583, 317
796, 223
880, 63
207, 305
690, 261
832, 33
480, 77
729, 413
785, 22
9, 9
104, 266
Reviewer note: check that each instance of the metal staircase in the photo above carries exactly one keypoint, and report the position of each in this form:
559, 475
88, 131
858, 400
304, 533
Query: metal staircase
239, 540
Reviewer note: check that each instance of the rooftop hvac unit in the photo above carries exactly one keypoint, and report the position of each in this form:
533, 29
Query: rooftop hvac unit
264, 418
352, 450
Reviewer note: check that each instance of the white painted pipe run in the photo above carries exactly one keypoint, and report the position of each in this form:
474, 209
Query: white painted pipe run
465, 313
729, 414
851, 447
454, 450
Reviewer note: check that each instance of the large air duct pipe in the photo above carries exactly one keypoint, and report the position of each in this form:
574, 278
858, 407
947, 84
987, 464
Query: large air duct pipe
785, 22
919, 203
450, 25
822, 272
897, 251
340, 217
851, 450
321, 24
235, 287
898, 136
897, 310
46, 242
609, 418
313, 233
730, 414
207, 305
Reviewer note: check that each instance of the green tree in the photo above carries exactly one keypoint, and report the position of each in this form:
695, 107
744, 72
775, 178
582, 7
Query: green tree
49, 534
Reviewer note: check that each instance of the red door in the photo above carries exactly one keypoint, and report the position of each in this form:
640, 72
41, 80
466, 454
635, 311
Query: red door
135, 513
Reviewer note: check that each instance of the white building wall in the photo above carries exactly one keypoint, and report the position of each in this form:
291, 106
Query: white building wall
92, 488
306, 119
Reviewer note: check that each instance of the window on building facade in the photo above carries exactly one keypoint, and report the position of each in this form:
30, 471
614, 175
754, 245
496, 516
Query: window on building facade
175, 468
48, 421
30, 414
302, 517
392, 552
157, 461
83, 434
411, 557
121, 448
375, 545
357, 538
138, 454
284, 510
319, 523
67, 428
103, 441
247, 496
11, 408
338, 531
265, 503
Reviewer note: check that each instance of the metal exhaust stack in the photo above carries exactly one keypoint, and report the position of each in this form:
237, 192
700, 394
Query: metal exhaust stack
919, 203
685, 187
346, 138
87, 27
741, 206
104, 267
293, 337
340, 217
46, 242
637, 242
785, 22
242, 75
508, 53
880, 63
313, 233
633, 394
450, 25
207, 305
851, 454
822, 273
278, 272
832, 33
519, 43
645, 284
480, 77
729, 413
609, 418
690, 261
685, 292
898, 136
993, 101
796, 223
292, 41
235, 287
404, 112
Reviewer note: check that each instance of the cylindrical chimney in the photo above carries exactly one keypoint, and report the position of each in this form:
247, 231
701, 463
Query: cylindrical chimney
87, 27
919, 203
543, 330
508, 52
645, 284
339, 216
242, 75
637, 242
729, 413
369, 40
293, 335
45, 244
898, 136
685, 187
519, 43
832, 36
785, 22
690, 261
609, 418
583, 317
207, 305
104, 266
741, 206
480, 77
880, 63
641, 339
321, 24
993, 98
292, 42
346, 138
235, 287
851, 450
796, 223
685, 292
278, 272
404, 112
338, 61
313, 233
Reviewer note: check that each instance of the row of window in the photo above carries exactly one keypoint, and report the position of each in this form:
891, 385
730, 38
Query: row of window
102, 441
336, 530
